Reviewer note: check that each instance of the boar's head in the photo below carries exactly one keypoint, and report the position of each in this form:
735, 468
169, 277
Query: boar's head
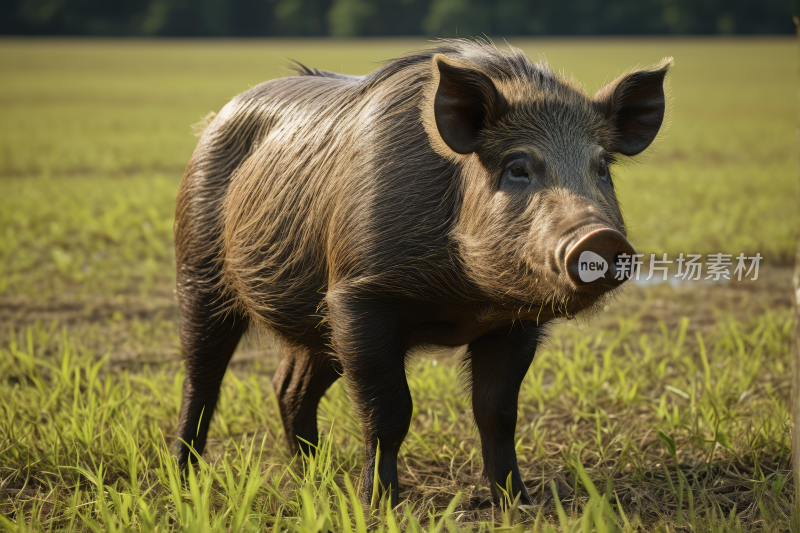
536, 157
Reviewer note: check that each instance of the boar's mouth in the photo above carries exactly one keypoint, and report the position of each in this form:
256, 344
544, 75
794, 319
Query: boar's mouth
581, 272
529, 276
586, 266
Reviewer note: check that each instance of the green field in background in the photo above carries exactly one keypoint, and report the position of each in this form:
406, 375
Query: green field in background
82, 118
92, 113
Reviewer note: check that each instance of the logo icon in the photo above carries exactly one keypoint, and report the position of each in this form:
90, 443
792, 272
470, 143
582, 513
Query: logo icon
591, 266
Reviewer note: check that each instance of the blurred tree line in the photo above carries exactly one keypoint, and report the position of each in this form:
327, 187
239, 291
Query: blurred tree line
440, 18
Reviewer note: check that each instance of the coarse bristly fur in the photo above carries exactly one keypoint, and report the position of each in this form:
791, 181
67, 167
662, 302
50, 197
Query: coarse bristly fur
432, 201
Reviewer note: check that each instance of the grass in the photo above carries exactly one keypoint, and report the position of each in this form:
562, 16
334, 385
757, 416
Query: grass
87, 235
669, 426
668, 412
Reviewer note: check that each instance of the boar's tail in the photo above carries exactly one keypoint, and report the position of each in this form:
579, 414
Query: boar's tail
303, 70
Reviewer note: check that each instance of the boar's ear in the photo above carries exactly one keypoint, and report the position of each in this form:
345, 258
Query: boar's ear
465, 101
635, 104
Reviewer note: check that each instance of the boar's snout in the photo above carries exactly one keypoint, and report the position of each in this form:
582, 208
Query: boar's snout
592, 263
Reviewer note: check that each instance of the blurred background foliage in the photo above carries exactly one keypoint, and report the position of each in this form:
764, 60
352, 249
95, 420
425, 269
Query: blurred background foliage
440, 18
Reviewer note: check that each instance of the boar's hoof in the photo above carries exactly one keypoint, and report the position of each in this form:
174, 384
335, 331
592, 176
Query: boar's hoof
600, 261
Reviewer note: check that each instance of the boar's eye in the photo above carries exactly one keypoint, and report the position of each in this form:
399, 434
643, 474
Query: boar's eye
518, 171
602, 171
516, 174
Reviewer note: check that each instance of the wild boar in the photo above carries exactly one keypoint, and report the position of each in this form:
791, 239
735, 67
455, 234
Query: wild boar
444, 199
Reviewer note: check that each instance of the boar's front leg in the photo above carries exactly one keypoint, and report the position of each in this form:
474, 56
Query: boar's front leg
498, 362
368, 338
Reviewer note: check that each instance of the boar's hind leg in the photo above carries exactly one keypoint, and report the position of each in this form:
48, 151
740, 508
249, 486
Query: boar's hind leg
499, 361
208, 341
305, 373
369, 342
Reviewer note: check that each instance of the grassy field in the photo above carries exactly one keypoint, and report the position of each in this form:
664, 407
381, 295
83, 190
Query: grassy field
667, 412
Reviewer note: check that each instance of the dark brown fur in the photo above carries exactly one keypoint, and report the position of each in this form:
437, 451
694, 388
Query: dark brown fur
357, 218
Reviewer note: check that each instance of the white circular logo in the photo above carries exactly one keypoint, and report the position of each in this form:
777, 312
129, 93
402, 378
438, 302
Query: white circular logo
591, 266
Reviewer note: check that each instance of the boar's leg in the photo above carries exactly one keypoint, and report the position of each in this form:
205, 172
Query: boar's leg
208, 340
368, 338
498, 363
305, 373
